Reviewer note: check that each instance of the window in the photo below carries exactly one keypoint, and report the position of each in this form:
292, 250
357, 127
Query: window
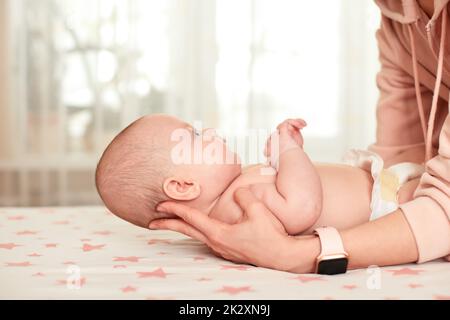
83, 69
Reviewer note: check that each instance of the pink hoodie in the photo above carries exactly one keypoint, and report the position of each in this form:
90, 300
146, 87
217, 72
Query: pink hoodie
413, 113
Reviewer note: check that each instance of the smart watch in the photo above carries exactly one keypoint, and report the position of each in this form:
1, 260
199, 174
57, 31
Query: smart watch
332, 259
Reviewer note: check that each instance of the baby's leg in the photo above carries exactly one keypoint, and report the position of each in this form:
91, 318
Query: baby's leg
406, 192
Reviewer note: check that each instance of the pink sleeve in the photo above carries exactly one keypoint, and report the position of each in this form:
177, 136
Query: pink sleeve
400, 138
429, 213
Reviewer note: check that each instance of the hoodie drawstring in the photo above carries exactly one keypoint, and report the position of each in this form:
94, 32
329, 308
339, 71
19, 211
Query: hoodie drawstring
428, 129
417, 83
437, 86
429, 38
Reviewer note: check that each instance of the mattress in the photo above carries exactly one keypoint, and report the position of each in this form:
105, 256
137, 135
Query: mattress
87, 253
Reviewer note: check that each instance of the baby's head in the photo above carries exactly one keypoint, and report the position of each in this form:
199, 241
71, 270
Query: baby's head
159, 158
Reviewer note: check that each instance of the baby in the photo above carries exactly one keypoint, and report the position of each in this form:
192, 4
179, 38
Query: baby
138, 170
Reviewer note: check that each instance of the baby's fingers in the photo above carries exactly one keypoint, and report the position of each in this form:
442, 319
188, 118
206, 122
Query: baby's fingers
292, 132
297, 123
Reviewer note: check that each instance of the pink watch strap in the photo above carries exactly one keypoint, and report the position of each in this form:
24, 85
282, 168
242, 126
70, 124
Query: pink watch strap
330, 241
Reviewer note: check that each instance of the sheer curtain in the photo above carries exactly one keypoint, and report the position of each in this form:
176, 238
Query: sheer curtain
77, 71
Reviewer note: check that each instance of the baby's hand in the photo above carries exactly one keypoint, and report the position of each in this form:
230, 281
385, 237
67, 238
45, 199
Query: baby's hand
287, 136
293, 127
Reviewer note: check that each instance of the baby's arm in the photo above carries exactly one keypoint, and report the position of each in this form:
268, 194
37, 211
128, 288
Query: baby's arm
296, 197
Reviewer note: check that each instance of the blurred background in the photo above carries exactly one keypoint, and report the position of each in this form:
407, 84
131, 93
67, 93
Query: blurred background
73, 73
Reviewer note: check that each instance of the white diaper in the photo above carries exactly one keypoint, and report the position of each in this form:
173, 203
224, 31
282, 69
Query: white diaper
386, 182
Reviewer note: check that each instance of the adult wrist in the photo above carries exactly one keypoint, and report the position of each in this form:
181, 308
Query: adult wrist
300, 254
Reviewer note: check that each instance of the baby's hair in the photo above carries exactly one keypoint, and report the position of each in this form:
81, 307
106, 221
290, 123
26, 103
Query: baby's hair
130, 174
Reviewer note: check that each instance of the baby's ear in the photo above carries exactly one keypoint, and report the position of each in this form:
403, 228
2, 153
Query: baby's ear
179, 189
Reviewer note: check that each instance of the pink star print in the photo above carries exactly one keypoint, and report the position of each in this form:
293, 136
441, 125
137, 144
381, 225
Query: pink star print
88, 247
18, 264
119, 266
204, 279
128, 259
199, 258
8, 246
350, 286
62, 223
128, 289
51, 245
155, 241
39, 274
69, 262
415, 285
26, 232
103, 233
158, 273
405, 271
230, 267
304, 279
34, 254
234, 290
73, 282
441, 297
16, 218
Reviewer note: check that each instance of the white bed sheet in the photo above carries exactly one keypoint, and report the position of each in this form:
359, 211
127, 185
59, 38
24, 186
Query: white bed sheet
43, 251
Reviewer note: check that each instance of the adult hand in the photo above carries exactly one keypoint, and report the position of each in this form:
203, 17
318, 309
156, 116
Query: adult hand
259, 239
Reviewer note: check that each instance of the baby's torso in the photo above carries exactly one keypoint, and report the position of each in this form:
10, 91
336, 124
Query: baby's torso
346, 194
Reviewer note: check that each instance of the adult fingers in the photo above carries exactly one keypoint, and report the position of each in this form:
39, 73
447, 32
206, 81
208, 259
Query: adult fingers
248, 201
197, 219
180, 226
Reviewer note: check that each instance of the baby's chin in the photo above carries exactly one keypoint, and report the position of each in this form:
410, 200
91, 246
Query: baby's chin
232, 173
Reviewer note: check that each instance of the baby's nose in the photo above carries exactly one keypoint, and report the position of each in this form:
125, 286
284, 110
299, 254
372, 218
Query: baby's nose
211, 133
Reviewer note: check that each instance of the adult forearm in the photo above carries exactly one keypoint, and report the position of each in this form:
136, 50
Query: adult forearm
386, 241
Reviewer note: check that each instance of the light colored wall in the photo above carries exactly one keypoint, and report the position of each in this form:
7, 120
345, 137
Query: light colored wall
6, 145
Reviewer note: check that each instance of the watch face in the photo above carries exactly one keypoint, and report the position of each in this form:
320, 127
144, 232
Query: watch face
332, 266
